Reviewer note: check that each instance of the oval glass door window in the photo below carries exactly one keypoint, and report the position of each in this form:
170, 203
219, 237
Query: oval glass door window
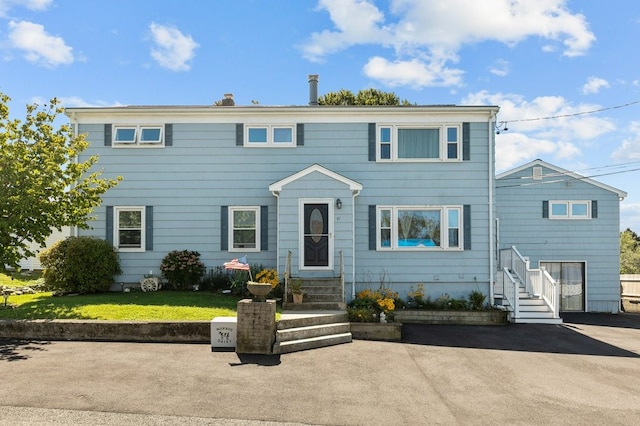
316, 225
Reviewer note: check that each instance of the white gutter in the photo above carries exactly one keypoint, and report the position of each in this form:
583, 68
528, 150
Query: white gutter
491, 207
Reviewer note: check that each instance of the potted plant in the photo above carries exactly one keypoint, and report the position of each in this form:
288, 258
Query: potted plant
296, 290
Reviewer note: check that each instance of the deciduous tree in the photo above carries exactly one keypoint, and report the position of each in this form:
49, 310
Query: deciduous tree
629, 252
363, 97
42, 186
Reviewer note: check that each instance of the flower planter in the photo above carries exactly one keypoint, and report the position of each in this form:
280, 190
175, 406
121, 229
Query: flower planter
424, 316
389, 332
297, 298
259, 290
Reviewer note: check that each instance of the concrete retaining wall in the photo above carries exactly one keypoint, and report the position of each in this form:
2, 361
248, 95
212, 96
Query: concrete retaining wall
419, 316
122, 331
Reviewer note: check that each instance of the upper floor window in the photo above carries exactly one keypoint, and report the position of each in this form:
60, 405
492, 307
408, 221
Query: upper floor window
569, 209
244, 232
419, 143
138, 136
270, 135
129, 228
419, 227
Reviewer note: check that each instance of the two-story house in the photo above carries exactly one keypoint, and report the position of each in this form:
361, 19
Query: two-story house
397, 195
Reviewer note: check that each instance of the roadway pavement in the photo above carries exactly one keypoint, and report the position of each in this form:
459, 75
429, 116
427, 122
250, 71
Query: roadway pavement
586, 371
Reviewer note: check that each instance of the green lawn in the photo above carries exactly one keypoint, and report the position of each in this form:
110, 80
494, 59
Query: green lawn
161, 305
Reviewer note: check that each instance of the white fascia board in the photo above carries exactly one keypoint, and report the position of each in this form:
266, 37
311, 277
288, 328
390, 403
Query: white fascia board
352, 184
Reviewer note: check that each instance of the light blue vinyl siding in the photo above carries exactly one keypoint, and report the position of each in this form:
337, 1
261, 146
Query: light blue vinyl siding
204, 169
594, 241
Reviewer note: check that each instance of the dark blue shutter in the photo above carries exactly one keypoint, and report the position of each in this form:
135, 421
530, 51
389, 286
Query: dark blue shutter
594, 209
109, 224
264, 228
372, 141
148, 228
466, 141
466, 226
107, 135
372, 227
224, 228
239, 134
300, 134
545, 209
168, 135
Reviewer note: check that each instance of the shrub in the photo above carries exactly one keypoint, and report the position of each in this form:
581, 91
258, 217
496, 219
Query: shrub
80, 265
215, 280
182, 269
476, 300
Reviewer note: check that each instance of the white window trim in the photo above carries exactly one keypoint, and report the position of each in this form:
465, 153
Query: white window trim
137, 143
569, 204
231, 210
443, 143
116, 228
444, 228
270, 139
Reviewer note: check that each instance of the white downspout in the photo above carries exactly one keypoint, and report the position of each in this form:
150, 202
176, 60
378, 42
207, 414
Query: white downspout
491, 178
353, 243
277, 195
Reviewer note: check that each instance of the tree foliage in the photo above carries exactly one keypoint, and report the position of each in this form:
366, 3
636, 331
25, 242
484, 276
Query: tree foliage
363, 97
629, 252
42, 186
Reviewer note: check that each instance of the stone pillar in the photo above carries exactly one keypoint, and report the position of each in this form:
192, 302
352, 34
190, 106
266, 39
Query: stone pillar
256, 327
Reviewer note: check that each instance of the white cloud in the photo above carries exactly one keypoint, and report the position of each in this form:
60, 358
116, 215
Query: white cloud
36, 5
594, 84
531, 135
411, 73
432, 32
39, 46
172, 50
500, 68
630, 147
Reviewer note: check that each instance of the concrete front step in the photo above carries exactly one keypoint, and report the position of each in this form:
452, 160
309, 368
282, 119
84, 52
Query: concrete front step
293, 319
311, 331
302, 330
529, 320
319, 306
311, 343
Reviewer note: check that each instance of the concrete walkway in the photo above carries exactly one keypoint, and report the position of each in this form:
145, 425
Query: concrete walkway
582, 372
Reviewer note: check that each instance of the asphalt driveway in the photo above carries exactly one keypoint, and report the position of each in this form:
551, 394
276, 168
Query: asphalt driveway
586, 371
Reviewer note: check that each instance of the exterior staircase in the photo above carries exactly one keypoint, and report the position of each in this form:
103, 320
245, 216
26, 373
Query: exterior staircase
529, 295
531, 309
319, 294
299, 331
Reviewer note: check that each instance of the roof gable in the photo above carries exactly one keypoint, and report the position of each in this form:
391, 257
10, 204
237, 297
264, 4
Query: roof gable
621, 194
277, 186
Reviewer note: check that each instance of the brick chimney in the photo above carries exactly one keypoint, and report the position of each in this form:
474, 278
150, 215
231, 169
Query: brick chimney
228, 100
313, 89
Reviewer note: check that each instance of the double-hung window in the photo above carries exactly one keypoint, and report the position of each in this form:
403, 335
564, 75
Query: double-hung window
419, 143
129, 228
419, 227
244, 229
270, 135
138, 136
569, 209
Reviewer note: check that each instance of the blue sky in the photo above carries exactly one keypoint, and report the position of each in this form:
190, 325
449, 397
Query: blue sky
534, 59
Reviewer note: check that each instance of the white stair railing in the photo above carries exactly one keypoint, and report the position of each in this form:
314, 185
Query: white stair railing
515, 269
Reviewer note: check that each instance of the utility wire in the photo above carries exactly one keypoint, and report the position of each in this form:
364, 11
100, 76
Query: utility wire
575, 114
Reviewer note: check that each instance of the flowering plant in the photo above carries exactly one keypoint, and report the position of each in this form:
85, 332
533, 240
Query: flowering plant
182, 269
269, 276
369, 304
